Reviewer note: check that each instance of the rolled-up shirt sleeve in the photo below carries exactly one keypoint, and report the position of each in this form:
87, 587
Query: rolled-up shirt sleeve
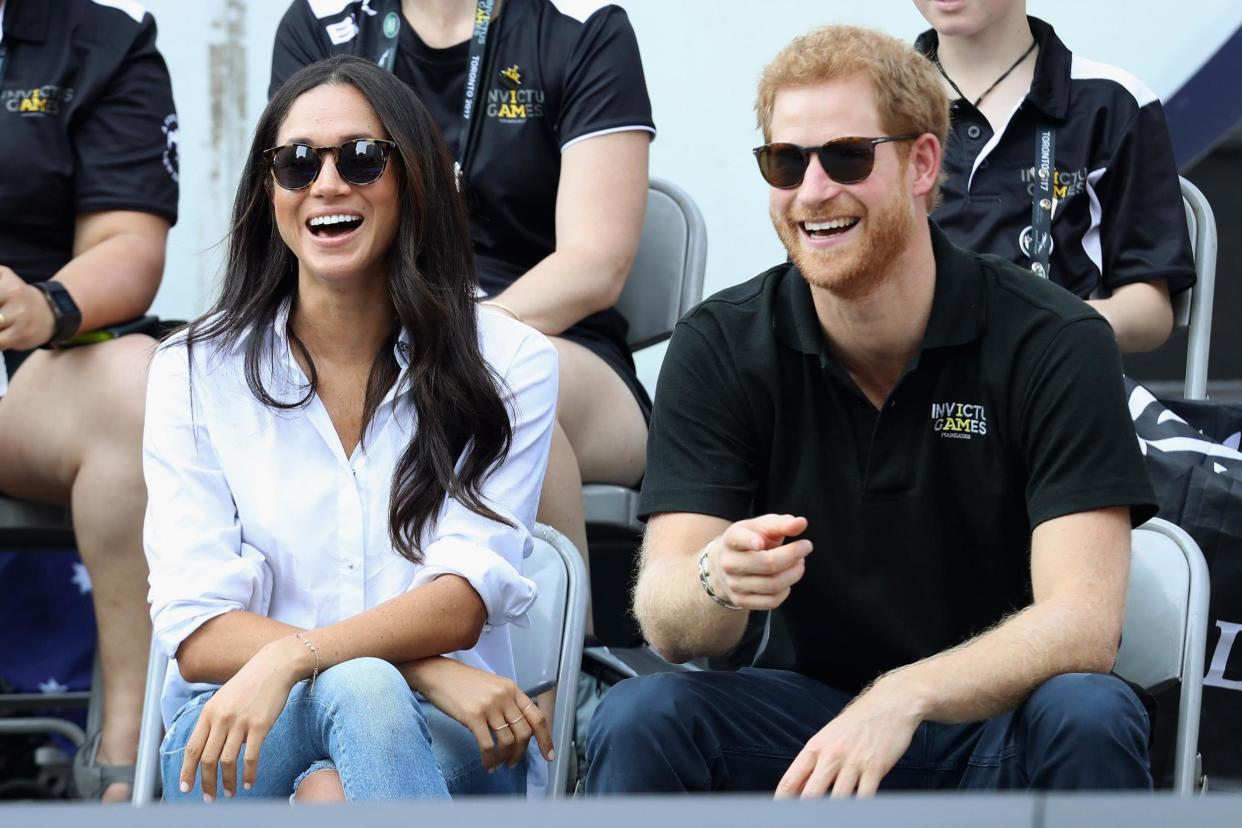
192, 537
486, 553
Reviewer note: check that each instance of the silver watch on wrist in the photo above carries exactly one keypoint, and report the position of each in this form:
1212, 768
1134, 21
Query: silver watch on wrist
706, 580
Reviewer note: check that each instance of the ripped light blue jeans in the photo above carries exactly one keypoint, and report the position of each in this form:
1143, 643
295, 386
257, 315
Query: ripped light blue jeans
365, 722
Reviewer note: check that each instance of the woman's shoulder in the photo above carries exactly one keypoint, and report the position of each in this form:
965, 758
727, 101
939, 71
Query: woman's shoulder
198, 350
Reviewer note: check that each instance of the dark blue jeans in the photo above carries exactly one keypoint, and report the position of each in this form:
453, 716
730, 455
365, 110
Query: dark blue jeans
716, 731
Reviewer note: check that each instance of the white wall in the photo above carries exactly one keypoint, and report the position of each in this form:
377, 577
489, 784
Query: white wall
702, 60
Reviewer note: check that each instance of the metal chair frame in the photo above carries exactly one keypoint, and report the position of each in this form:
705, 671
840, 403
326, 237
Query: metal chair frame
1192, 308
1165, 634
665, 282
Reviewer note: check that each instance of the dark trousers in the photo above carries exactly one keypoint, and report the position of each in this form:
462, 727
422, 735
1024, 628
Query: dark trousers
717, 731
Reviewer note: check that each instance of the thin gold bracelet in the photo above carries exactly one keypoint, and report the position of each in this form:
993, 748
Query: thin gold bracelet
502, 307
315, 650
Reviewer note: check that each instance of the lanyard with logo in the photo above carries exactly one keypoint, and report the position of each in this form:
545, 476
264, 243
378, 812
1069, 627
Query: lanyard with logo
1043, 200
384, 51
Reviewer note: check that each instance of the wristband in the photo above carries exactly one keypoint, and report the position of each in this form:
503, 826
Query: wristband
66, 317
705, 580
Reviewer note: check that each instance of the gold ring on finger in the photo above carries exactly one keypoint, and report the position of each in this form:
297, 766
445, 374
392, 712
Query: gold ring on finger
515, 721
502, 727
4, 323
528, 707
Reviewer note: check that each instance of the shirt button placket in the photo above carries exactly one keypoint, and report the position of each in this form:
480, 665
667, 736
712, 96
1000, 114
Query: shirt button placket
354, 539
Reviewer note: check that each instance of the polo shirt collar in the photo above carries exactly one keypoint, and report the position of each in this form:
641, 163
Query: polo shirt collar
958, 303
27, 20
1051, 88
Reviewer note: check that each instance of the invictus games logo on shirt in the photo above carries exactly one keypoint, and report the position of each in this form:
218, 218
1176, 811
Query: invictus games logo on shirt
1065, 184
512, 104
959, 421
37, 102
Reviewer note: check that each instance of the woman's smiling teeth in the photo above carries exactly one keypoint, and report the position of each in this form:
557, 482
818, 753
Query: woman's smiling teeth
819, 229
334, 224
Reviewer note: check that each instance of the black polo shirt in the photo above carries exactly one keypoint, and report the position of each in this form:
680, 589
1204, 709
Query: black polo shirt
87, 123
1012, 413
550, 81
1119, 217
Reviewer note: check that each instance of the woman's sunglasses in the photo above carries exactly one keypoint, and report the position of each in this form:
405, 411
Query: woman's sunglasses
845, 160
360, 161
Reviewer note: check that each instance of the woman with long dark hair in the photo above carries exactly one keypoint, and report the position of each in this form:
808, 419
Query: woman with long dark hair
344, 460
553, 164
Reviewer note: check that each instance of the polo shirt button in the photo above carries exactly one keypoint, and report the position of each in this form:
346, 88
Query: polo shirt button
973, 132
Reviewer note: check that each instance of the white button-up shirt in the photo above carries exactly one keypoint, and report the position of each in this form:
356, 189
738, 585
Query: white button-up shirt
258, 509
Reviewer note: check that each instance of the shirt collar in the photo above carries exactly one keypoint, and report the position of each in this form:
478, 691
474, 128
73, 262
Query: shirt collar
1051, 87
27, 20
280, 330
958, 307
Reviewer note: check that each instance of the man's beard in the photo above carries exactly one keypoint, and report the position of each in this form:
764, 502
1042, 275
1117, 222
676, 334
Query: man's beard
855, 271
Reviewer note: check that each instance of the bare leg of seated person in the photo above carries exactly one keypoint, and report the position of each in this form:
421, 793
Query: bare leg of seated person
600, 437
71, 432
320, 787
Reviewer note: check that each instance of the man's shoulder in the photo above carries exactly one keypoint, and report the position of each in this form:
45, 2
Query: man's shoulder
741, 301
1017, 292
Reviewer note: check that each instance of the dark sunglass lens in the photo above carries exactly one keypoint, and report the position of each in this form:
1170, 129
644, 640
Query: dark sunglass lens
295, 166
782, 165
847, 162
361, 161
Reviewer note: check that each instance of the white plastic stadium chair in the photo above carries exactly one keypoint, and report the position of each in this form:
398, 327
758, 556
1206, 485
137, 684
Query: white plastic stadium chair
1165, 631
665, 282
547, 654
1193, 308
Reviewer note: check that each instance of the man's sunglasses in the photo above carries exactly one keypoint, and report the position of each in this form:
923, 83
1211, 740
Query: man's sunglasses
360, 161
845, 160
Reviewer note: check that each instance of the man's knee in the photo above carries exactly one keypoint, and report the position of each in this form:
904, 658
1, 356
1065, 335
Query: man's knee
640, 712
1087, 705
1087, 731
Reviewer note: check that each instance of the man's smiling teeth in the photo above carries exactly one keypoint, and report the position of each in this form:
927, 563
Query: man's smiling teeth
833, 224
323, 221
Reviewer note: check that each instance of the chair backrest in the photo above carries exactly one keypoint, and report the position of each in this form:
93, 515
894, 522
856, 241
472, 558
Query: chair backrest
1165, 632
667, 277
536, 661
548, 653
1193, 308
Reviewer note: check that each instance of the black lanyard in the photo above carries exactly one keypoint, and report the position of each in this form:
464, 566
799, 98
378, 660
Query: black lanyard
1043, 200
384, 51
4, 56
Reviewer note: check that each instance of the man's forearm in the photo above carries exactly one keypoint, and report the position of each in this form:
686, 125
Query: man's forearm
996, 671
677, 617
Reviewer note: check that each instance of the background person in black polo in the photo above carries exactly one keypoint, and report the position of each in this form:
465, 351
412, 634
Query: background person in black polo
555, 177
937, 450
87, 194
1118, 225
